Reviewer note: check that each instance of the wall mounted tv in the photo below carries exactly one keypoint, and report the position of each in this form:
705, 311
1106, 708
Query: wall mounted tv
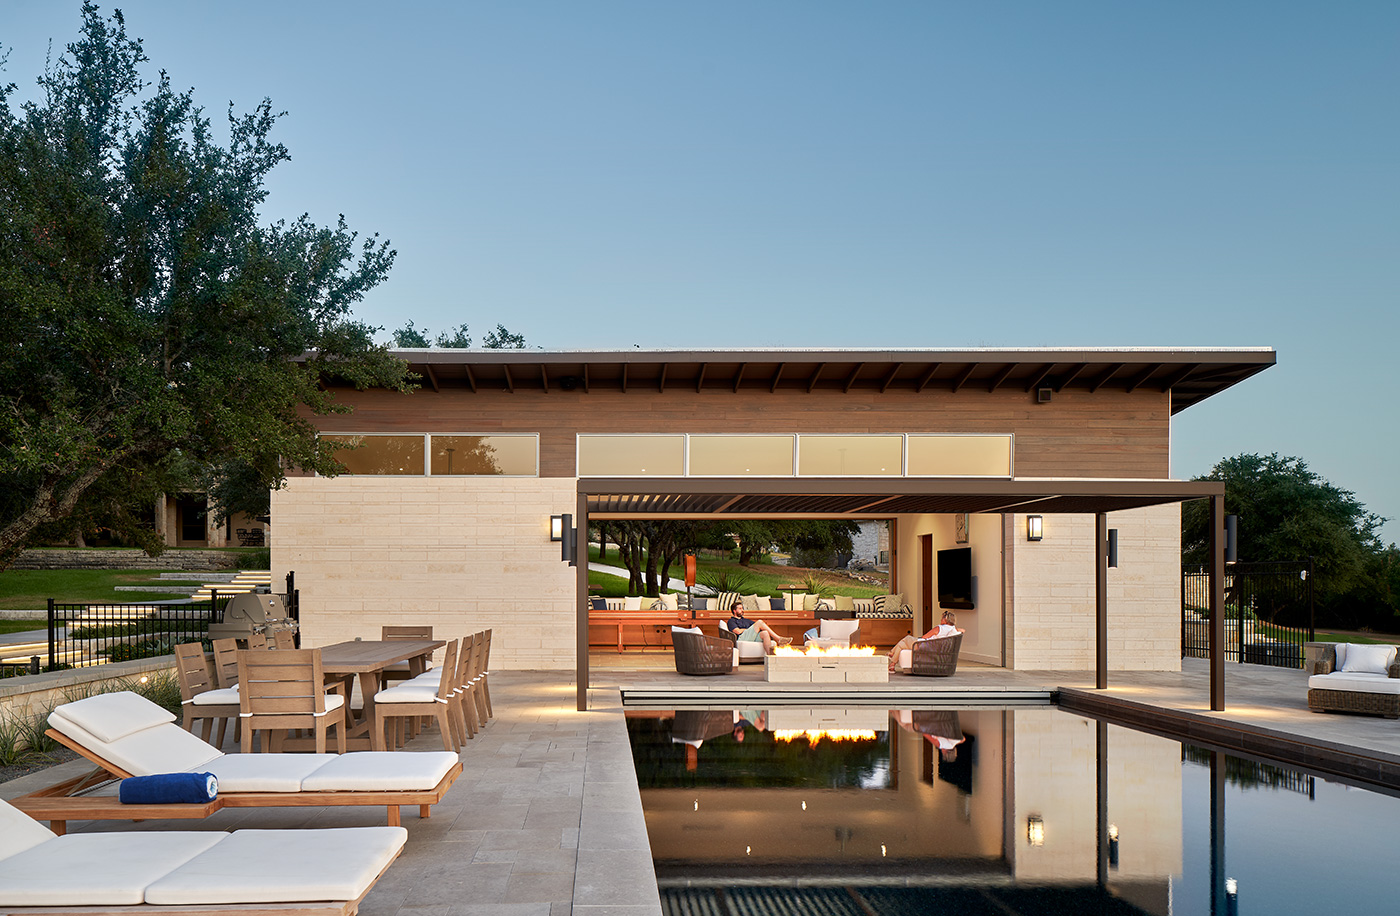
955, 579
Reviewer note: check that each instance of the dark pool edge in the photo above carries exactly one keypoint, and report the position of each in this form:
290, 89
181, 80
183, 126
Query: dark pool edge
1375, 768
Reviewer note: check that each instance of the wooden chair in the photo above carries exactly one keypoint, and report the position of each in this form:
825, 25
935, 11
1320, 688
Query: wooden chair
280, 689
419, 698
200, 697
466, 688
401, 671
284, 639
257, 641
485, 675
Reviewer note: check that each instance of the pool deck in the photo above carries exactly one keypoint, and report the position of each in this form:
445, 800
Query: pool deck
546, 818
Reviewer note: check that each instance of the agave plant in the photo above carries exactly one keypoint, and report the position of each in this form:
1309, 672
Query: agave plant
816, 585
725, 579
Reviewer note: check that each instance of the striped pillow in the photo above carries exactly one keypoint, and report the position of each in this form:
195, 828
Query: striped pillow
726, 600
880, 601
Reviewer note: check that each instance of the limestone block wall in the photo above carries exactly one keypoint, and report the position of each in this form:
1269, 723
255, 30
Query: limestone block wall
459, 553
1053, 623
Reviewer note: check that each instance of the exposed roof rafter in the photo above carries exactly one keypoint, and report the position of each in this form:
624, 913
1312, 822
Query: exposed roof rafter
739, 377
852, 379
1106, 377
1141, 378
776, 376
510, 386
889, 379
961, 380
928, 377
1001, 376
1039, 377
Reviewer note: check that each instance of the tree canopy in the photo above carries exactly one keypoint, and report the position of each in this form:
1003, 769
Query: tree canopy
151, 313
458, 338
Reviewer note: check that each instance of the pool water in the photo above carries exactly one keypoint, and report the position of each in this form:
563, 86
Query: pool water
1035, 810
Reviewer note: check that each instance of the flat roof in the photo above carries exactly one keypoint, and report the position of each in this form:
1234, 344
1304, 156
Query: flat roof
1190, 374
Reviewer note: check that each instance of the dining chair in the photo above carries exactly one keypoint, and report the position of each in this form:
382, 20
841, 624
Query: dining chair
478, 681
417, 698
464, 692
200, 697
486, 675
284, 639
257, 641
281, 689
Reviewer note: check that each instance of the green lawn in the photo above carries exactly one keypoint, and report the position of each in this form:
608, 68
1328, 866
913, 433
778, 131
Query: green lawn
30, 589
764, 579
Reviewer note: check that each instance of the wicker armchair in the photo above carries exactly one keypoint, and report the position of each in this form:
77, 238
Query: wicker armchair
936, 657
701, 655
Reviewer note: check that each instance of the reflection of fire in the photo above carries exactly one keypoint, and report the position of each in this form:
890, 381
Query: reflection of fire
813, 735
829, 651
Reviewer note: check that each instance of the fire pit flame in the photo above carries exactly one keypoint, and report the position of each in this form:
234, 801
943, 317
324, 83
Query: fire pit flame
813, 735
829, 651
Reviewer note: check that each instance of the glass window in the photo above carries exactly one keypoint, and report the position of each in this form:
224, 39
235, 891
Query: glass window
850, 456
380, 454
960, 456
631, 456
741, 456
508, 456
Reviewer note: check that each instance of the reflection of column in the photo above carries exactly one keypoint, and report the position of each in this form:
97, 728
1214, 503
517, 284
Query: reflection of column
1217, 834
1101, 797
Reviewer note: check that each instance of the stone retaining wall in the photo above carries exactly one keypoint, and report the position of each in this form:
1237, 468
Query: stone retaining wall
35, 694
60, 558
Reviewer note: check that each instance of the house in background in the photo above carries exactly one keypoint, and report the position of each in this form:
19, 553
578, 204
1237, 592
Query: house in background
444, 516
185, 520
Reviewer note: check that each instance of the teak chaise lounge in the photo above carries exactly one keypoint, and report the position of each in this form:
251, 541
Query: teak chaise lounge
128, 735
324, 872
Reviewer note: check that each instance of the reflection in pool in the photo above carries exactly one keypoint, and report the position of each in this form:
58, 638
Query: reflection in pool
1001, 811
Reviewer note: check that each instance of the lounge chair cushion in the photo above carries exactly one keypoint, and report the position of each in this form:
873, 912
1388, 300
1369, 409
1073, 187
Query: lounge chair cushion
370, 771
19, 831
95, 869
414, 691
265, 772
1361, 682
281, 866
223, 696
162, 748
112, 716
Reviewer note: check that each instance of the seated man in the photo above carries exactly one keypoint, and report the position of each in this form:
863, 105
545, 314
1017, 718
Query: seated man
754, 631
948, 626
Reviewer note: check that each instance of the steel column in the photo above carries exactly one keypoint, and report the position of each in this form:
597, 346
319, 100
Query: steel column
1217, 603
1101, 600
581, 598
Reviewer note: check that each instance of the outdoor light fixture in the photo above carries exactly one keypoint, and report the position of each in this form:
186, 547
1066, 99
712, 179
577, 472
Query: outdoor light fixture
568, 540
556, 527
1035, 527
1113, 548
1035, 830
1232, 541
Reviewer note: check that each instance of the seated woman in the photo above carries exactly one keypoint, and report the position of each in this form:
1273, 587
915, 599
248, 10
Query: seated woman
947, 626
754, 630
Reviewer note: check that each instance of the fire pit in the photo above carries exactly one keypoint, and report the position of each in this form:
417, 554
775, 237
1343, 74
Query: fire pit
826, 665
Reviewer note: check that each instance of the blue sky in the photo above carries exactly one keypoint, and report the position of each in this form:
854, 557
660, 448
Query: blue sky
921, 174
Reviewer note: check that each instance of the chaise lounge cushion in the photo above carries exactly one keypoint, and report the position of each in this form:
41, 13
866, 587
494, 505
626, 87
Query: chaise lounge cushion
381, 771
161, 747
281, 866
110, 717
265, 772
94, 869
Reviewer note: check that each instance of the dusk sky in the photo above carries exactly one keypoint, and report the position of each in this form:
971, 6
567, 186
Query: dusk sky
816, 174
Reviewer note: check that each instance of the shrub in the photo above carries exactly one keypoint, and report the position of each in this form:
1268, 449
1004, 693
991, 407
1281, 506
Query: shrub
259, 558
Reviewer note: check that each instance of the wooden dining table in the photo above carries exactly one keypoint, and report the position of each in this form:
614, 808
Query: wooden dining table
367, 659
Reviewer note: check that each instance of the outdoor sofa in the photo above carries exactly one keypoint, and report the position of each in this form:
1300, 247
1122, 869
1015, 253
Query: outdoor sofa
1350, 677
127, 735
318, 872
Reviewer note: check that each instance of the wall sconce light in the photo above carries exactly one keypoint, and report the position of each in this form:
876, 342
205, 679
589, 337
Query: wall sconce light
1113, 846
1035, 830
1232, 538
556, 527
1035, 527
1113, 548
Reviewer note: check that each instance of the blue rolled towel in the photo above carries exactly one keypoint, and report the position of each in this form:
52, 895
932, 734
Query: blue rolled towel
169, 789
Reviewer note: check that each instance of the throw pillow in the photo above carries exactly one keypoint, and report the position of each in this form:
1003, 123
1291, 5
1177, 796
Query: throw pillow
765, 603
880, 601
726, 601
632, 603
750, 602
598, 604
1364, 659
695, 630
809, 602
777, 604
845, 603
668, 602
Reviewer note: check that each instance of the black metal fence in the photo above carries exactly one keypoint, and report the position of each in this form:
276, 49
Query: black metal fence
1268, 612
88, 634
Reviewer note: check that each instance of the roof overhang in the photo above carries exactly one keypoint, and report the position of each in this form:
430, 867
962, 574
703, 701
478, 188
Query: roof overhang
851, 497
1191, 375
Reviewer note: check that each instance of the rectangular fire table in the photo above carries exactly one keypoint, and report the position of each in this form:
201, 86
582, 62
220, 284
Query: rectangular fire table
826, 669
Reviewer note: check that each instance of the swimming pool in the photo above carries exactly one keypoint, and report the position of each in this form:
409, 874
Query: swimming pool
866, 811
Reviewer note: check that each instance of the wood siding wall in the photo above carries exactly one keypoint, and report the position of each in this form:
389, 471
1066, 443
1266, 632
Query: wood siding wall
1078, 434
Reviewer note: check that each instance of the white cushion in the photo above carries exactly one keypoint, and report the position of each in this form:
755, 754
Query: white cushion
668, 602
906, 659
1360, 681
696, 630
264, 772
94, 869
750, 602
750, 648
19, 831
837, 629
223, 696
1367, 659
632, 603
371, 771
112, 716
765, 603
409, 693
166, 748
275, 866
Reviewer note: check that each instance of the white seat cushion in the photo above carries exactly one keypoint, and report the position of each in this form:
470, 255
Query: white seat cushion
93, 869
19, 831
1345, 680
906, 659
409, 692
837, 629
165, 748
282, 866
366, 771
264, 772
224, 696
112, 716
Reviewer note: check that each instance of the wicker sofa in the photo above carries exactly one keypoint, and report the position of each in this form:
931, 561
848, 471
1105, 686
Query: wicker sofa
1356, 678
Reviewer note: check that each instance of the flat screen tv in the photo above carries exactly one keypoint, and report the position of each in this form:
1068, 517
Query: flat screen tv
955, 578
